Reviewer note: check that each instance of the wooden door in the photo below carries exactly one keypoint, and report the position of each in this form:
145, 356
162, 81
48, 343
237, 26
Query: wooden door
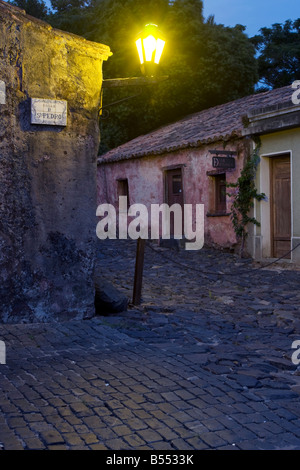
174, 192
281, 206
220, 193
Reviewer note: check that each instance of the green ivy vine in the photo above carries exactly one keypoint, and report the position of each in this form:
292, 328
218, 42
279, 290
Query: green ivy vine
243, 197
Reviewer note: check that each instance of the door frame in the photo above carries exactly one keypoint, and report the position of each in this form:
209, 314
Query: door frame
166, 170
165, 178
262, 210
272, 159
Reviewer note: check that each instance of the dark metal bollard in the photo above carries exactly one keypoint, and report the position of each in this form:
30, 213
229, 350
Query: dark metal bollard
138, 275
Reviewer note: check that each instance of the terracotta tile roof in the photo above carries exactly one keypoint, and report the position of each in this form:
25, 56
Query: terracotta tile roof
219, 123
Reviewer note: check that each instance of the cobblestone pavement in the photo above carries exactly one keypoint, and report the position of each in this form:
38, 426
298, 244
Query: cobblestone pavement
203, 363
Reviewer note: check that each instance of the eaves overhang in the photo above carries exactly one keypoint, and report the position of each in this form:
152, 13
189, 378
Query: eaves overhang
266, 120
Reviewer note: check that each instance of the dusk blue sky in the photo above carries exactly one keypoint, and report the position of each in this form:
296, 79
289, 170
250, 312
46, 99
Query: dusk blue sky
254, 14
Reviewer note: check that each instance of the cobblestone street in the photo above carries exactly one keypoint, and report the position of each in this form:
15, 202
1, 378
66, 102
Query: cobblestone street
203, 363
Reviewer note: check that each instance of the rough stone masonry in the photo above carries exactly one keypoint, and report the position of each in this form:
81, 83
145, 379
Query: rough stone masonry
47, 171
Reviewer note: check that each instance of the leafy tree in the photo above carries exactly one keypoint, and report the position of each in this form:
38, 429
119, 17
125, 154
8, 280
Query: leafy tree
279, 54
36, 8
61, 6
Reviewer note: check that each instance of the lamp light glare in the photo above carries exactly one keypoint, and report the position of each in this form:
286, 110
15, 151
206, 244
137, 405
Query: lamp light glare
149, 46
160, 44
140, 50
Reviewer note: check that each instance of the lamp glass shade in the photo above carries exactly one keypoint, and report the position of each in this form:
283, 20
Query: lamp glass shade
160, 44
139, 46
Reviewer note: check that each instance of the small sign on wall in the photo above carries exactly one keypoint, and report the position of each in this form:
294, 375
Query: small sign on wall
2, 92
48, 112
226, 163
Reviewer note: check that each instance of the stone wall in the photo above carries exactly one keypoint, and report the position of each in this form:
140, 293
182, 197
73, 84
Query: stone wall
47, 172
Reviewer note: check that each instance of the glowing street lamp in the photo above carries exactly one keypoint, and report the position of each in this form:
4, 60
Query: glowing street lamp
150, 46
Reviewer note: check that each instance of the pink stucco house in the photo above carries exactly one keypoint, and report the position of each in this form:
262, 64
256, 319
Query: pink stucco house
175, 163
